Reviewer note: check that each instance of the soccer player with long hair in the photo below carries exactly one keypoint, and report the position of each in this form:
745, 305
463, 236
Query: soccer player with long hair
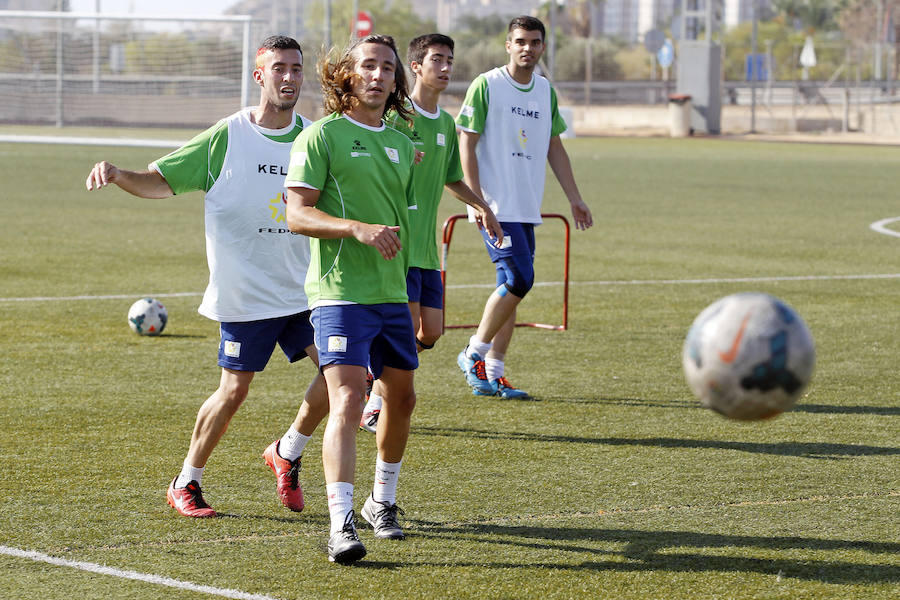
350, 189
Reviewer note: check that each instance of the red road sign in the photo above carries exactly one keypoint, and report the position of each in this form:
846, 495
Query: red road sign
364, 24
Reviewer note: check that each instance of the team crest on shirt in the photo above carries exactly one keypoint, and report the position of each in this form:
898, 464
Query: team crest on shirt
392, 154
441, 140
523, 139
276, 205
522, 136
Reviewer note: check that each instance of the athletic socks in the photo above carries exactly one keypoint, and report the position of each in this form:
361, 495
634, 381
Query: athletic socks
187, 475
493, 368
386, 475
340, 502
476, 345
292, 444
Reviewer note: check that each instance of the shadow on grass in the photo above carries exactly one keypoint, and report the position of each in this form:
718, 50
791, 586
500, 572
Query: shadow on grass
887, 411
304, 520
178, 336
671, 551
815, 450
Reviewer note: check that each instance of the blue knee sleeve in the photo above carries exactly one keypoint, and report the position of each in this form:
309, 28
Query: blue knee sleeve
519, 277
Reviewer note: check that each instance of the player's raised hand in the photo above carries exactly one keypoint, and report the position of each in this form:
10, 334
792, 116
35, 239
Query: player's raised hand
383, 238
101, 175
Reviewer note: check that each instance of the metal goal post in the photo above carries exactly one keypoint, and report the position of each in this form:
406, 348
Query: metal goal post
447, 235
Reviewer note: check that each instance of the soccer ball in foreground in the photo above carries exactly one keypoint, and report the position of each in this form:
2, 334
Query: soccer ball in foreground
147, 317
748, 356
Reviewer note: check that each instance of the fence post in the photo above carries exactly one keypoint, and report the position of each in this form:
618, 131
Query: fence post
59, 72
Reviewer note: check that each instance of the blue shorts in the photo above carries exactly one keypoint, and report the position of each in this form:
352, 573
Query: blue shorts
247, 346
368, 335
514, 260
425, 287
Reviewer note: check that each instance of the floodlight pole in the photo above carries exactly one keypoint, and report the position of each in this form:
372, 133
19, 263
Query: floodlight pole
753, 66
355, 20
96, 49
551, 42
327, 24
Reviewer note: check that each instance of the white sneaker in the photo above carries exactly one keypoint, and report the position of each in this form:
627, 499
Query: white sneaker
383, 518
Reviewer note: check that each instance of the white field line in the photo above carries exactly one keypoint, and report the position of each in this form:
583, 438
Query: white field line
612, 282
101, 297
881, 226
713, 280
147, 578
91, 141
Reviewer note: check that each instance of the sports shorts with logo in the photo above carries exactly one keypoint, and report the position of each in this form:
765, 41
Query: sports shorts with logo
247, 346
368, 335
514, 259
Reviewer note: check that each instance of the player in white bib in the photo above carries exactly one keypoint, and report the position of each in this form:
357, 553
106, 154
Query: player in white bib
509, 125
256, 265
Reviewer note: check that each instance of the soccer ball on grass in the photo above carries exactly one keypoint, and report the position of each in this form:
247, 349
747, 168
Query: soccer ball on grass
147, 317
748, 356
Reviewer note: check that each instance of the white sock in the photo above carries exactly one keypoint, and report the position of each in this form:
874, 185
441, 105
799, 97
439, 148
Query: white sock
373, 404
476, 345
340, 502
386, 475
188, 474
292, 444
494, 368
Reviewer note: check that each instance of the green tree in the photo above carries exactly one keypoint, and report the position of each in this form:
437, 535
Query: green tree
391, 17
786, 42
811, 15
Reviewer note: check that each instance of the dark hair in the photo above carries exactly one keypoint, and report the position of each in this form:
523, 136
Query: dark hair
279, 42
419, 46
337, 79
528, 24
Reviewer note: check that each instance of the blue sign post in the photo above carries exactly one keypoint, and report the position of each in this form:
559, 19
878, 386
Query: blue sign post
666, 54
756, 68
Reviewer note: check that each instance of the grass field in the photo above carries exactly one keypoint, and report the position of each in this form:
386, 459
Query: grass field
613, 483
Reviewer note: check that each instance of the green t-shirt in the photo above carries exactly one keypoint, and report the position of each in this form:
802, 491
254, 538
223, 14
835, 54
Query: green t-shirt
197, 164
435, 135
365, 174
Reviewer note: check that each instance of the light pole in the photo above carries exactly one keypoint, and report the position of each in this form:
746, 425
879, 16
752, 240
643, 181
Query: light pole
754, 66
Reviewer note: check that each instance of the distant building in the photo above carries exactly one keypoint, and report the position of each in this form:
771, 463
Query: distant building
446, 13
631, 19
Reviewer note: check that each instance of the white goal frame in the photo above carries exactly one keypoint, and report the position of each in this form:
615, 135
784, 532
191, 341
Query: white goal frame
244, 20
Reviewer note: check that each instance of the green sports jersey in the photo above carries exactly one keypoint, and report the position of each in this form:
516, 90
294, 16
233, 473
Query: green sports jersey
197, 164
365, 174
435, 135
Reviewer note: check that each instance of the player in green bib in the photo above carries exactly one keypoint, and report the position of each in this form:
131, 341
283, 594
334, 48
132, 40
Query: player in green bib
350, 189
433, 133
